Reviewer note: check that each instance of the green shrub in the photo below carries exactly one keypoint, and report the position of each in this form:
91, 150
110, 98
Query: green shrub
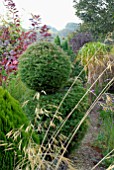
44, 66
72, 99
15, 87
76, 69
57, 40
24, 95
64, 45
12, 118
76, 65
47, 105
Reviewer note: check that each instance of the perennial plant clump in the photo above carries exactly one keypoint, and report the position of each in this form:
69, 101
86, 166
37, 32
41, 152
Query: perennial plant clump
95, 58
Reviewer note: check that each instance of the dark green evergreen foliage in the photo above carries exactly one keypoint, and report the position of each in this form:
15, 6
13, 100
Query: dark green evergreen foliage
76, 65
23, 94
72, 99
68, 48
44, 66
50, 103
76, 69
20, 92
12, 118
65, 45
57, 40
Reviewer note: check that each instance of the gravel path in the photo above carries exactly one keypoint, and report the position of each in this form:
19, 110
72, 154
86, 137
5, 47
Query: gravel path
87, 156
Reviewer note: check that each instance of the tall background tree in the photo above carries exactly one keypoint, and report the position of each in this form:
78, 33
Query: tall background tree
97, 16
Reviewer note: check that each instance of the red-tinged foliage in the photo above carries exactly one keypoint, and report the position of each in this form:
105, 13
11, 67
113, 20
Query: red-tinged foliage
44, 31
14, 40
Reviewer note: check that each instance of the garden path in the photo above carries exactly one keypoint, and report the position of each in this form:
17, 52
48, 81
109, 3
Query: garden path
87, 156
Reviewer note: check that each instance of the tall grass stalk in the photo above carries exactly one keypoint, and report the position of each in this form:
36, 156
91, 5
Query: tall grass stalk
111, 167
38, 159
76, 128
80, 123
66, 96
103, 159
62, 124
70, 137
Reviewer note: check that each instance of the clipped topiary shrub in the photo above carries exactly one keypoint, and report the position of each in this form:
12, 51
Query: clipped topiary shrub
12, 118
44, 66
51, 102
47, 105
41, 111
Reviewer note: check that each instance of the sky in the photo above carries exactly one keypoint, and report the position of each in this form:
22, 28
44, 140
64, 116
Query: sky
56, 13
